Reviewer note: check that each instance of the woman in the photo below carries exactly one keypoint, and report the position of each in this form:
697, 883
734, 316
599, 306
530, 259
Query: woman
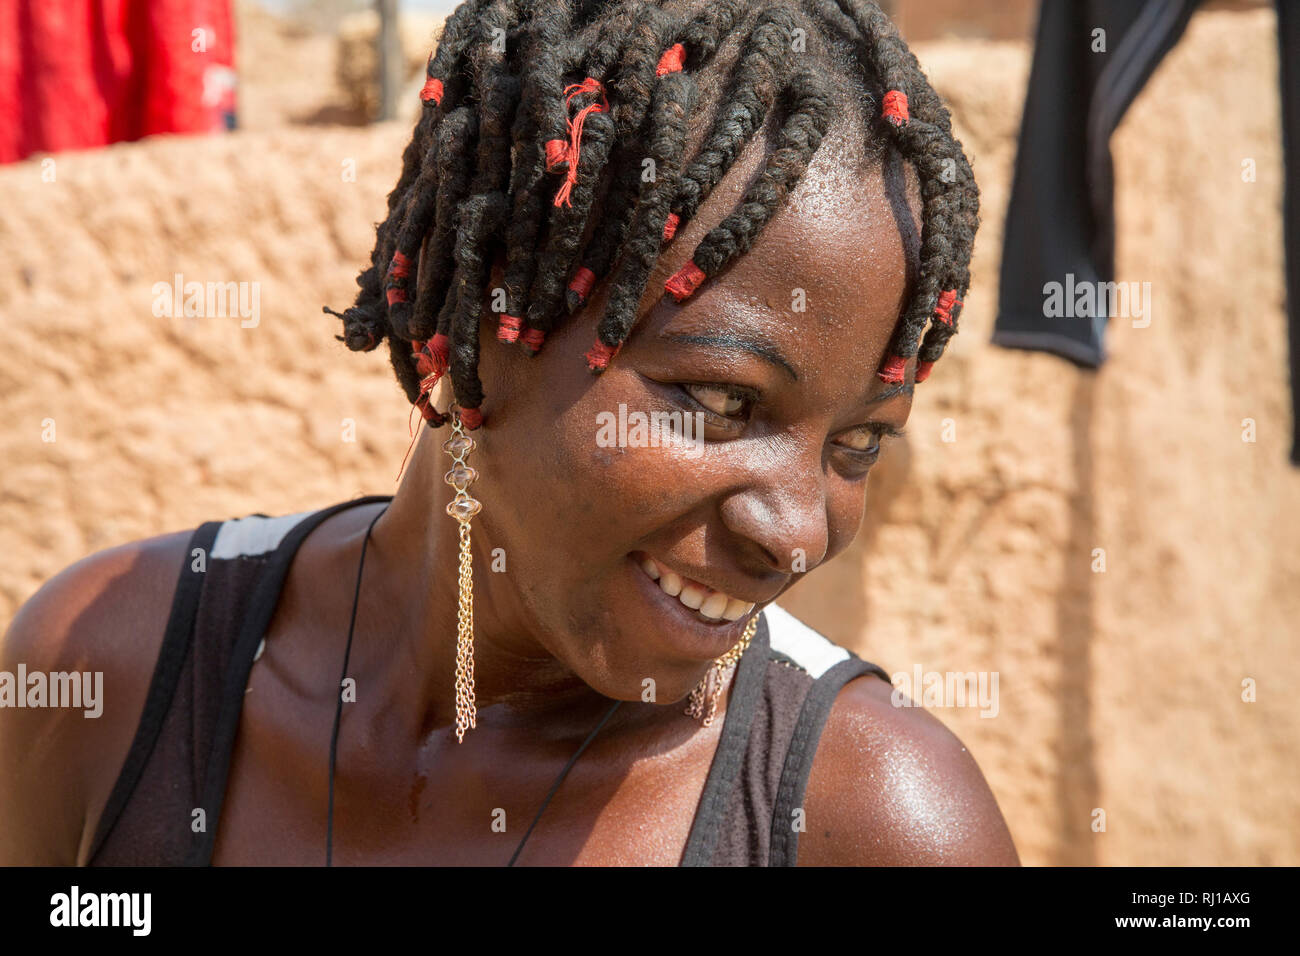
747, 224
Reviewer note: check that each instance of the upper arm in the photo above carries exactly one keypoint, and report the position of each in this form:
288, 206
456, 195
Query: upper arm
103, 616
893, 786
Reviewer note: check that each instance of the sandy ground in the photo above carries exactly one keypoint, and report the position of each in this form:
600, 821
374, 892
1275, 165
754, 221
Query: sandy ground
1119, 691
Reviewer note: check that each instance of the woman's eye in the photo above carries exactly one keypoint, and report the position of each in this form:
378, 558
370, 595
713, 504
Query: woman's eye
719, 400
863, 440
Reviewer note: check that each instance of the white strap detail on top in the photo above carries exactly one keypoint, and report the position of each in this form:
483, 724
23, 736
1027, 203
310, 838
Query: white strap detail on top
796, 640
253, 535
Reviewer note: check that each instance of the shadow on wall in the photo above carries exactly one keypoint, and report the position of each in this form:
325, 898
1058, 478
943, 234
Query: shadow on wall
1078, 788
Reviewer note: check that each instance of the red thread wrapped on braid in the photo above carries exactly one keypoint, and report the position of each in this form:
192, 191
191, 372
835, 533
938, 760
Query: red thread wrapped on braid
599, 354
671, 61
532, 339
509, 328
670, 226
682, 283
947, 302
894, 370
895, 108
589, 85
398, 269
582, 282
557, 155
433, 358
432, 90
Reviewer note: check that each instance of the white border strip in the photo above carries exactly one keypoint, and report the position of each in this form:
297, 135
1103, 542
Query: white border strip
796, 640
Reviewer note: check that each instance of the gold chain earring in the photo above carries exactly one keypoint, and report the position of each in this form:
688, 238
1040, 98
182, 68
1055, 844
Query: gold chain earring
707, 691
463, 507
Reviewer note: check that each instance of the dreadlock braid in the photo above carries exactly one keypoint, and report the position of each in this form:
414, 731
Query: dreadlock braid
802, 134
568, 224
482, 215
539, 121
703, 34
948, 192
521, 142
364, 323
767, 53
674, 100
554, 22
596, 55
636, 33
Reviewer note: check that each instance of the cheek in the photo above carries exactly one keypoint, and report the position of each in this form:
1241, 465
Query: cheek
572, 499
845, 508
633, 475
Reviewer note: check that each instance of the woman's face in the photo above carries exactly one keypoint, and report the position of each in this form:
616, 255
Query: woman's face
776, 359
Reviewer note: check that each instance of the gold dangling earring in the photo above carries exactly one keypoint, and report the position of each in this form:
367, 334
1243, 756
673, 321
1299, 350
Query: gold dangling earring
463, 508
708, 690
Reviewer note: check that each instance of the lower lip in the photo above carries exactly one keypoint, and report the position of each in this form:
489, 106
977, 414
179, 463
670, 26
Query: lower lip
680, 628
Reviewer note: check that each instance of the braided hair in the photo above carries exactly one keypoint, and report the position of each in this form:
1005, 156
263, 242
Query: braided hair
536, 112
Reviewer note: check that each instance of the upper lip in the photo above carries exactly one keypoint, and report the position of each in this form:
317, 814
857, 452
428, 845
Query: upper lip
742, 593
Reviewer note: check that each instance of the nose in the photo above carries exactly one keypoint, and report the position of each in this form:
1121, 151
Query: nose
781, 509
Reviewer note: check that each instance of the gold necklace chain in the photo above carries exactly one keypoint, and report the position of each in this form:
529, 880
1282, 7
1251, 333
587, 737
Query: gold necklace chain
706, 692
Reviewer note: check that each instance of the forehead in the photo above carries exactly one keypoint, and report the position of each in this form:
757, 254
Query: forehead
828, 275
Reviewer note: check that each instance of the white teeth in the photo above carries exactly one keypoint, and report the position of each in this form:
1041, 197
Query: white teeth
692, 596
736, 609
713, 605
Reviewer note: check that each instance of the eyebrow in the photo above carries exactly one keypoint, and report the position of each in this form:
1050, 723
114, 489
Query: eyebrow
732, 341
764, 349
900, 389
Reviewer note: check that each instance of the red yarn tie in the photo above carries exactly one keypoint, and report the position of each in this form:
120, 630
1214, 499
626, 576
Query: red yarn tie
684, 281
582, 282
532, 339
557, 154
894, 370
400, 267
923, 370
895, 107
431, 361
432, 91
508, 330
671, 61
471, 418
943, 310
599, 355
670, 226
589, 85
423, 364
440, 352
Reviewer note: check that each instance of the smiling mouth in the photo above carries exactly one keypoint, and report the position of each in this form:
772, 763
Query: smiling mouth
712, 605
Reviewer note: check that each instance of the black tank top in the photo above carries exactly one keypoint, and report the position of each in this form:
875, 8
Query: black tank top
180, 757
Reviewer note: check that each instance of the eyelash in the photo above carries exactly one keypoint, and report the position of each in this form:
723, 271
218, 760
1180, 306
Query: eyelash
879, 429
731, 391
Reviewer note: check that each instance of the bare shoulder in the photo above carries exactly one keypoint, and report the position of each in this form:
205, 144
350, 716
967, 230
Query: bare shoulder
893, 786
95, 629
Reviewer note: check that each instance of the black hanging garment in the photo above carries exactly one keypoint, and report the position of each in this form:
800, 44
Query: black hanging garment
1061, 221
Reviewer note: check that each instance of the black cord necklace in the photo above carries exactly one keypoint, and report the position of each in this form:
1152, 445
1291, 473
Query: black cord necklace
338, 717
